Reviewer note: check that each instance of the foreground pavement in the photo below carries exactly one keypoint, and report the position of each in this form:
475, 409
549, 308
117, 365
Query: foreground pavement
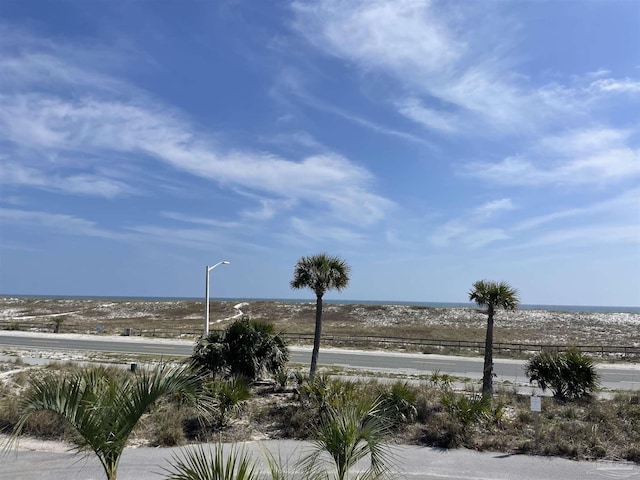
412, 463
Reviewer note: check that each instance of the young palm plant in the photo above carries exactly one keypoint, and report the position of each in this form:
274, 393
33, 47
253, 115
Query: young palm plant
569, 375
492, 295
320, 273
229, 396
348, 434
212, 464
104, 405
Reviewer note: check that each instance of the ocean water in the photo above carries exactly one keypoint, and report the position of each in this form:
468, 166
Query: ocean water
553, 308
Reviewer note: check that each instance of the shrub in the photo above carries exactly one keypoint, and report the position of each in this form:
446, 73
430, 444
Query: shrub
465, 409
200, 463
229, 396
247, 348
569, 375
168, 430
322, 392
399, 403
349, 434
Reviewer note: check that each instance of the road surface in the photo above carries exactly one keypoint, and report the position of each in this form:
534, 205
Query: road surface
613, 376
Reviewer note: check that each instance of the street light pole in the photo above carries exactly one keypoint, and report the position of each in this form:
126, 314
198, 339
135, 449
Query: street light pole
206, 301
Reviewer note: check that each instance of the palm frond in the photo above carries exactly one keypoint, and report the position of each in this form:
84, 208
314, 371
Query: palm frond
320, 273
486, 293
349, 434
104, 405
200, 463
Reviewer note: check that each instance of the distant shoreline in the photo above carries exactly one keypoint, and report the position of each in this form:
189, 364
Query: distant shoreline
557, 308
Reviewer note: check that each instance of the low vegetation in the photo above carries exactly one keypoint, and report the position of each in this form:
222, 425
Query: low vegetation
247, 348
429, 412
569, 375
104, 405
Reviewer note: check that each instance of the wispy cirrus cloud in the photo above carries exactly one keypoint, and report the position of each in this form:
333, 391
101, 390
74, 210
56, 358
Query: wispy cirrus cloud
60, 223
310, 231
88, 120
88, 184
489, 209
602, 234
625, 207
186, 218
452, 74
470, 229
589, 156
290, 84
460, 77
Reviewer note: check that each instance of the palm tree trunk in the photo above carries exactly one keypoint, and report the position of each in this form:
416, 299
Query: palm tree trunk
316, 338
487, 373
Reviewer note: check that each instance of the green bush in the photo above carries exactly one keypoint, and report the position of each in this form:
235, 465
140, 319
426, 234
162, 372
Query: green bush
466, 410
347, 435
229, 396
322, 392
206, 463
399, 403
246, 348
569, 375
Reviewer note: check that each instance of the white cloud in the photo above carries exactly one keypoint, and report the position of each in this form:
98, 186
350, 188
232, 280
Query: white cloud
593, 234
181, 217
443, 235
400, 35
61, 223
469, 229
430, 118
76, 184
93, 125
468, 234
626, 206
290, 83
592, 156
482, 237
454, 74
324, 233
625, 85
489, 209
439, 52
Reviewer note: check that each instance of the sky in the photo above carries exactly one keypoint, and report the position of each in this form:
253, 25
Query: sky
430, 144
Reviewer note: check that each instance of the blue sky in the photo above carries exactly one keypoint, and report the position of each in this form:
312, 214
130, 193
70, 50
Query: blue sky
431, 144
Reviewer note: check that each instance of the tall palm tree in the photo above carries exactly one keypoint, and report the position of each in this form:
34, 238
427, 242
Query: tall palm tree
492, 295
320, 273
104, 406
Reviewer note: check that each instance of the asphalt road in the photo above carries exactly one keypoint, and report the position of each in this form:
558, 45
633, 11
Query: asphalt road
411, 463
613, 376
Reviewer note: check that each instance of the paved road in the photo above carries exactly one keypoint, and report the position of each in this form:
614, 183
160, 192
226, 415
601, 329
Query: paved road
412, 463
613, 376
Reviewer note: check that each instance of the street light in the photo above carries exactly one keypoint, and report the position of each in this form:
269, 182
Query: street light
206, 308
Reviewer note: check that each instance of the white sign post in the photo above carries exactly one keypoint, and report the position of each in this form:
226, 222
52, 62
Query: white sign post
536, 403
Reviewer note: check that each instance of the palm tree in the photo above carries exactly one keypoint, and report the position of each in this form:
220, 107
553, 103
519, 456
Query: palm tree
320, 273
492, 295
104, 405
